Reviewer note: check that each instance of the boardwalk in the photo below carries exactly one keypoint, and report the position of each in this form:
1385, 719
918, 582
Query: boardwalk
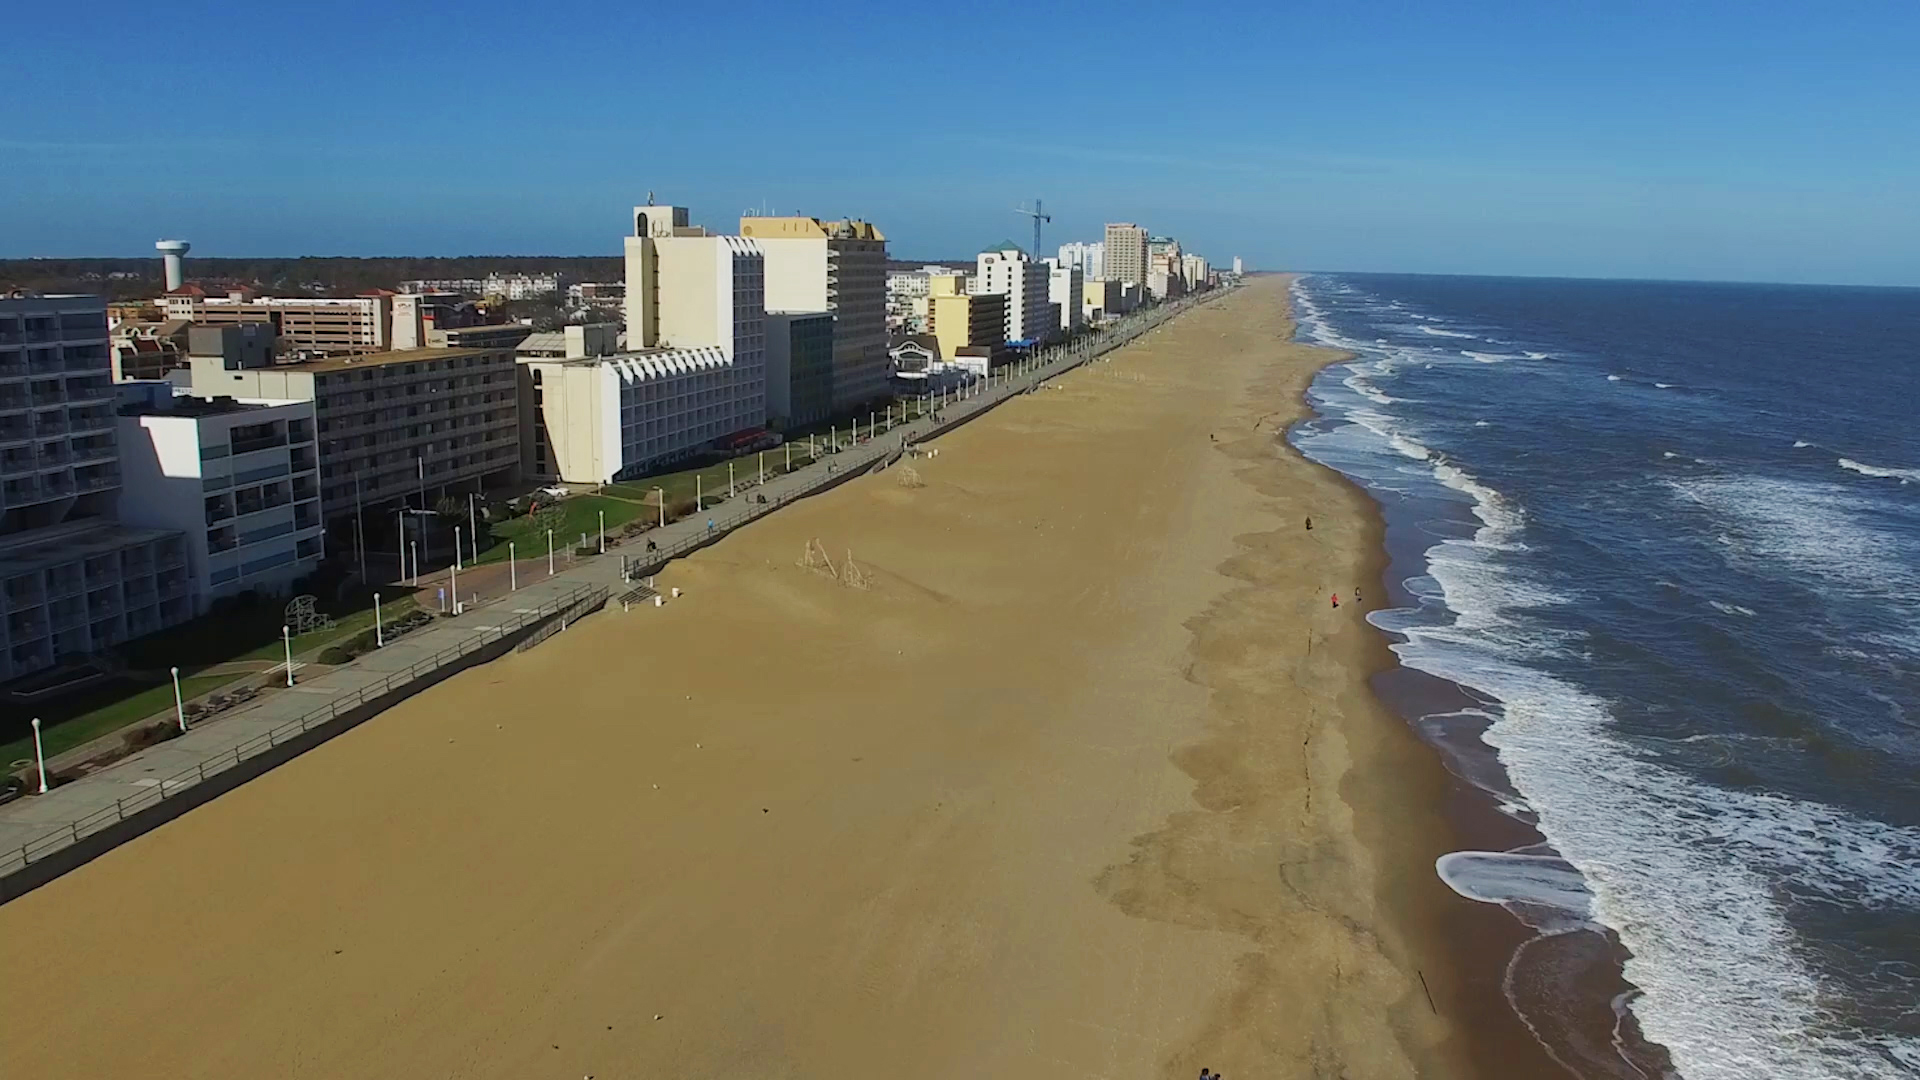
104, 804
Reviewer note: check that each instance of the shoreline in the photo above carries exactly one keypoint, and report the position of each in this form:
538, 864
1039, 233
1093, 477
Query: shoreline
1010, 800
1528, 1018
1464, 945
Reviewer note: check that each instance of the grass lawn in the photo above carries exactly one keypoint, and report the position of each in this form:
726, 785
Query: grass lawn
580, 514
344, 626
712, 478
62, 729
194, 646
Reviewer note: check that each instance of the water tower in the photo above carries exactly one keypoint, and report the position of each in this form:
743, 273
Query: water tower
173, 252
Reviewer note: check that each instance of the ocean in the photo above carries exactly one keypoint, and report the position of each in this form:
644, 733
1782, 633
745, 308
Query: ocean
1665, 538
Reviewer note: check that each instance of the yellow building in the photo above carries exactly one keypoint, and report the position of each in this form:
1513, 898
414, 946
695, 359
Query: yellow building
960, 320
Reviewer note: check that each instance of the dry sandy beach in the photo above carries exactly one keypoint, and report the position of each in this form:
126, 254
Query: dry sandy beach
1088, 783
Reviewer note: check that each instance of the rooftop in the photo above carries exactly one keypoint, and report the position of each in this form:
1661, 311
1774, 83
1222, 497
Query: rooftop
402, 356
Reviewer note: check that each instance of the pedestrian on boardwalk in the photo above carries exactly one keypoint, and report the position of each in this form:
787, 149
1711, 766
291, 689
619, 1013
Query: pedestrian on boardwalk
710, 529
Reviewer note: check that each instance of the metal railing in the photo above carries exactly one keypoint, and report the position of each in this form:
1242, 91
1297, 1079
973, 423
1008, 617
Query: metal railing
73, 832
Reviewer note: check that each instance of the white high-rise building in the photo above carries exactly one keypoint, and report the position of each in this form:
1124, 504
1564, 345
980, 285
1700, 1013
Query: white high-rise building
1239, 268
73, 581
693, 375
1089, 259
1025, 284
1066, 289
238, 479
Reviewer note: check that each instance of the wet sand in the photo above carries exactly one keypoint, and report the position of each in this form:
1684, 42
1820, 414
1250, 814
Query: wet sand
1089, 781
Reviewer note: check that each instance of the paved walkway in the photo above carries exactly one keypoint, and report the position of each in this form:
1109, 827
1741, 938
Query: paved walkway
35, 827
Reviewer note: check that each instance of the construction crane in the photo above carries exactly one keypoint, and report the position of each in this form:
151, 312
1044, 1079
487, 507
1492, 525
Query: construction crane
1038, 216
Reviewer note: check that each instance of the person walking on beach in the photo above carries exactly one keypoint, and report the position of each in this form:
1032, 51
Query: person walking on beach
1309, 524
1336, 599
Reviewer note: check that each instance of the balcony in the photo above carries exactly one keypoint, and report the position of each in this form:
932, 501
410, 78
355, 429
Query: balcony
47, 424
16, 462
95, 478
52, 454
260, 442
89, 389
45, 362
254, 476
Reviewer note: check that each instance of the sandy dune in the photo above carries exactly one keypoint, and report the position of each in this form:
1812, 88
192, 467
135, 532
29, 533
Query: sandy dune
1064, 793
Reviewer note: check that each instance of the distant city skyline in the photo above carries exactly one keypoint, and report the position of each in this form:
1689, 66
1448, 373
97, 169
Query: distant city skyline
1722, 141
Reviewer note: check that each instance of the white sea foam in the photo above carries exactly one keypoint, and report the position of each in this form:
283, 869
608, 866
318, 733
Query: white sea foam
1538, 355
1882, 471
1437, 332
1360, 385
1664, 385
1801, 444
1731, 609
1689, 875
1613, 378
1487, 357
1536, 881
1816, 530
1683, 872
1481, 423
1668, 454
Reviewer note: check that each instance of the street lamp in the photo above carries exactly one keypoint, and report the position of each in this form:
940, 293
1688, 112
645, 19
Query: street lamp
286, 638
179, 708
453, 575
473, 527
513, 570
729, 479
603, 532
549, 552
663, 506
39, 755
414, 546
379, 631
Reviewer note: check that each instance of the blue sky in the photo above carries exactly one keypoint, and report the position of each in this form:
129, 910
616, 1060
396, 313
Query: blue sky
1687, 140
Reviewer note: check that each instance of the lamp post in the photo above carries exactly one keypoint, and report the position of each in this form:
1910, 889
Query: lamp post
379, 629
513, 570
453, 575
286, 639
549, 552
603, 532
400, 519
473, 527
763, 466
39, 755
663, 506
414, 546
729, 479
699, 492
179, 707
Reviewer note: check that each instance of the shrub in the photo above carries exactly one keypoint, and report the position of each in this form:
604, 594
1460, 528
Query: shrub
334, 654
139, 738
